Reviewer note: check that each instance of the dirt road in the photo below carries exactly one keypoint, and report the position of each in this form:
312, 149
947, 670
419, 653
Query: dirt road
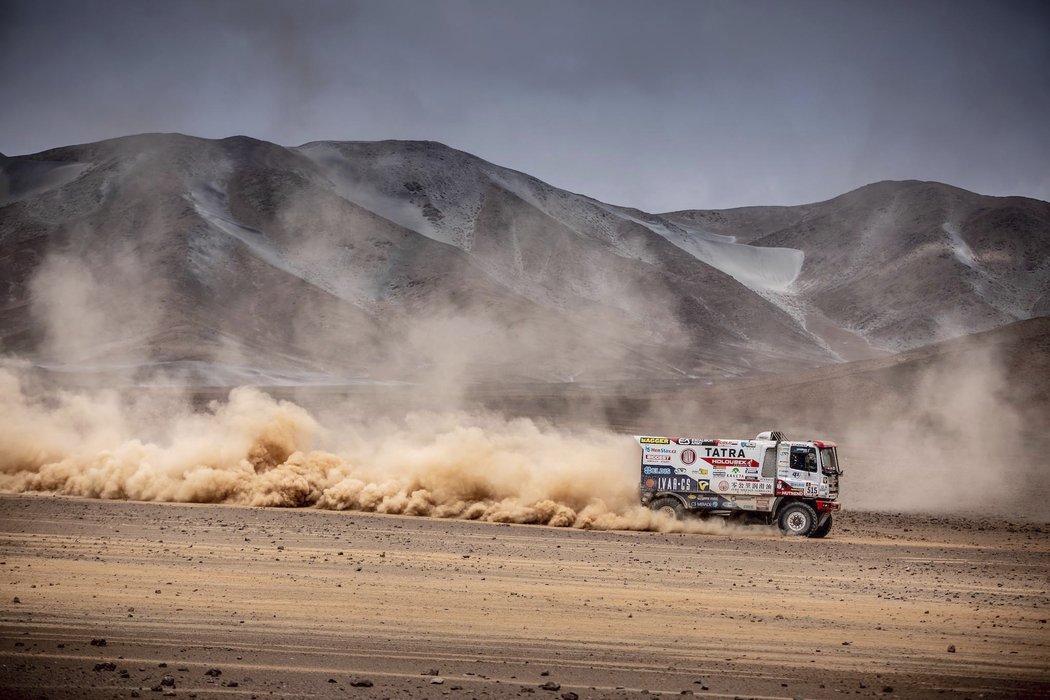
214, 601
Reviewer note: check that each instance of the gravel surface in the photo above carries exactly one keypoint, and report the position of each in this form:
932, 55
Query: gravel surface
105, 599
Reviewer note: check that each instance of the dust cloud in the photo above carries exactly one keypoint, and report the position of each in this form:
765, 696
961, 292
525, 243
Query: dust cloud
958, 436
254, 450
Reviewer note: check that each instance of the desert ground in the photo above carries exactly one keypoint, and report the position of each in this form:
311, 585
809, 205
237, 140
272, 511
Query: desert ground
213, 601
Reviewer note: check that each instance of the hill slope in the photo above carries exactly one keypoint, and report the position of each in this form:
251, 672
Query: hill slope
231, 261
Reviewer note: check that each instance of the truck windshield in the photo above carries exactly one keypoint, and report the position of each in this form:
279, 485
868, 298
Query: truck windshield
830, 460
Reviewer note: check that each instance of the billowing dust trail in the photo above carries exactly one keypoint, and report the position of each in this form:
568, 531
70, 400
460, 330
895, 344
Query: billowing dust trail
254, 450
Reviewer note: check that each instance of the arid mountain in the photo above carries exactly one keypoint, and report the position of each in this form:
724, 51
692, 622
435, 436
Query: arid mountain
903, 264
232, 261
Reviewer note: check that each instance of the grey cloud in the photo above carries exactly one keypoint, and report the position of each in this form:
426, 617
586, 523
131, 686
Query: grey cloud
660, 105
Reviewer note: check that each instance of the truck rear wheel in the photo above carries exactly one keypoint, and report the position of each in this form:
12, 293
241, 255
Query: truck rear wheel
797, 519
822, 530
671, 507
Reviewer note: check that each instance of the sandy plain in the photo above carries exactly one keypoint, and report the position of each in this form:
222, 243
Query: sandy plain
308, 603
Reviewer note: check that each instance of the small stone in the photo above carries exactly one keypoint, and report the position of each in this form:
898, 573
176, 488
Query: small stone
232, 684
569, 695
951, 648
213, 672
550, 685
107, 666
437, 680
432, 672
888, 689
545, 673
332, 680
98, 642
135, 694
168, 681
15, 600
361, 683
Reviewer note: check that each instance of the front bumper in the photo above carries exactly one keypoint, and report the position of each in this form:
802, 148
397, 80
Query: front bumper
827, 506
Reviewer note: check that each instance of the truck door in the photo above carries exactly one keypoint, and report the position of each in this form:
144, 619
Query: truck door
804, 463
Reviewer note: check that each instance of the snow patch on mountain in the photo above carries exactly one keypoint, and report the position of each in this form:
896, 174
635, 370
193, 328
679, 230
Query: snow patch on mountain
958, 246
759, 269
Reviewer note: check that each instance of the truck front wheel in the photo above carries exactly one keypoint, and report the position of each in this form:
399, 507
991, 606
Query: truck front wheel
797, 519
671, 507
822, 530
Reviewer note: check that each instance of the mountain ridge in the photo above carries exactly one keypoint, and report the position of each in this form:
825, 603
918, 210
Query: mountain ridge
330, 258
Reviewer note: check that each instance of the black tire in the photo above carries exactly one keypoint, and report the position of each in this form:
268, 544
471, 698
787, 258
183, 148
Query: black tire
822, 530
669, 506
797, 519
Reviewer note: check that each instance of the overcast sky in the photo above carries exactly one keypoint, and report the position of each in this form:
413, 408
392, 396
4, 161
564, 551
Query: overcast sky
659, 105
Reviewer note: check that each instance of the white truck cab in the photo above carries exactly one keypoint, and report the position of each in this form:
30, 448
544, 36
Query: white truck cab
792, 483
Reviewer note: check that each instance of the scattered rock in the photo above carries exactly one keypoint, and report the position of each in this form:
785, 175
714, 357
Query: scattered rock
232, 684
213, 672
432, 672
98, 642
569, 695
361, 683
135, 694
951, 648
106, 666
888, 689
168, 681
437, 680
332, 680
15, 600
545, 673
550, 685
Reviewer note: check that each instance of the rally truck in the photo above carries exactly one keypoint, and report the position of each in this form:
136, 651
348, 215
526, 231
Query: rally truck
794, 484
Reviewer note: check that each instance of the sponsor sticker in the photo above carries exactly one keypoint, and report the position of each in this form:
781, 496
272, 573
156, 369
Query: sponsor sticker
753, 486
662, 471
730, 462
723, 485
688, 456
679, 483
657, 458
654, 441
